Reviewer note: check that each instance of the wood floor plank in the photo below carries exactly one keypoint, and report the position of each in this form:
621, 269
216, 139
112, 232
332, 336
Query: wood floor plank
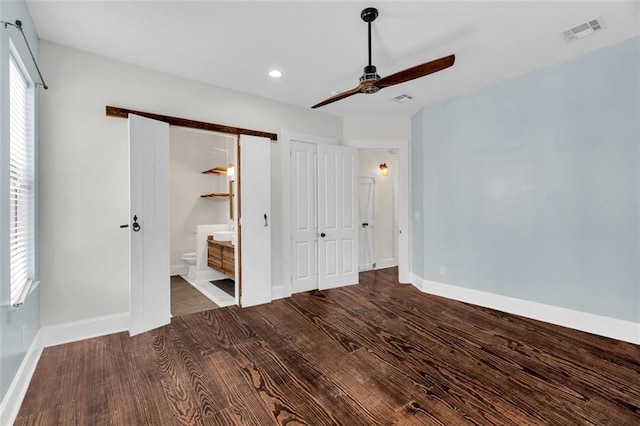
378, 353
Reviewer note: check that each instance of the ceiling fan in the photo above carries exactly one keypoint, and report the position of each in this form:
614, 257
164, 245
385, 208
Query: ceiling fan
371, 82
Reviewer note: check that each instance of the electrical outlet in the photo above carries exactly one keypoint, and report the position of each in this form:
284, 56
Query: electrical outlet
443, 270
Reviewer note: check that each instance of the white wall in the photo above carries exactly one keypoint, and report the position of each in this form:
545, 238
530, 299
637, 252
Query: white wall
18, 327
369, 161
191, 153
84, 168
377, 129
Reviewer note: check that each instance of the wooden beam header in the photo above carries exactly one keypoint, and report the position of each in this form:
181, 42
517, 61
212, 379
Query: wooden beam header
192, 124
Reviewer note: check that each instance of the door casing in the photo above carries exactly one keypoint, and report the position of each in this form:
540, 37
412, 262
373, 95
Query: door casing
403, 207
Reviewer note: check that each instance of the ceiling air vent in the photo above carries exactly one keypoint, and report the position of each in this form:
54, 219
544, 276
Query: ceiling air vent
582, 30
402, 98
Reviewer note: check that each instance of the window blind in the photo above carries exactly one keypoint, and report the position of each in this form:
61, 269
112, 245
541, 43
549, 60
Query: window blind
21, 187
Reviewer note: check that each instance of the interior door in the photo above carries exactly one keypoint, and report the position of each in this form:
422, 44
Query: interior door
366, 209
149, 227
337, 216
304, 226
255, 220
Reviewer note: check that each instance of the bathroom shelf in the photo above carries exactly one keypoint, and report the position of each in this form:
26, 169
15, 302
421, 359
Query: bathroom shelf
215, 195
216, 171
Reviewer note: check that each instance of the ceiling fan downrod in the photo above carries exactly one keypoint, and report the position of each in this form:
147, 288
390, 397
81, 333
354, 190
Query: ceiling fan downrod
369, 15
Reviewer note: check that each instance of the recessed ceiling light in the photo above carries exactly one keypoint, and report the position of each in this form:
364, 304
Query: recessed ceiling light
275, 73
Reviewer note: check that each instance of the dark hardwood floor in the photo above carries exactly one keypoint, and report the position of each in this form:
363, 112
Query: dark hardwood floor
378, 353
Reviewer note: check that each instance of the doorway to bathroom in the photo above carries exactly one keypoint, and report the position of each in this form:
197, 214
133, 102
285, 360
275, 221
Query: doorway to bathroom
378, 208
203, 222
149, 212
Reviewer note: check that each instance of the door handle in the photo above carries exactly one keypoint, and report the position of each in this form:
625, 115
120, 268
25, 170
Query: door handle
323, 235
365, 224
265, 220
124, 226
135, 226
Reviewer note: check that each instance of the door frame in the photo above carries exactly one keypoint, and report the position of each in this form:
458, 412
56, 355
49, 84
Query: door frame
286, 136
402, 202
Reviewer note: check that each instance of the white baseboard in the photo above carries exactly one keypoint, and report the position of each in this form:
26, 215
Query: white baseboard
386, 263
277, 292
210, 275
58, 334
179, 270
603, 326
415, 280
10, 405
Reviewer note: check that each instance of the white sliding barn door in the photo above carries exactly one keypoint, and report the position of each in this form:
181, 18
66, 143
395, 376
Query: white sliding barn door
304, 226
337, 216
149, 227
255, 220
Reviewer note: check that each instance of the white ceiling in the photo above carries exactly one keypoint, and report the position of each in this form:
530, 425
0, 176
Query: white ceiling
321, 46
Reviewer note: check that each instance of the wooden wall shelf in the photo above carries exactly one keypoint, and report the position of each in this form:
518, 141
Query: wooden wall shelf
216, 171
215, 195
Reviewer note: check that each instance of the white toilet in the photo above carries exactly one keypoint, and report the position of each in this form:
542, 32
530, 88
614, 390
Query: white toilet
191, 260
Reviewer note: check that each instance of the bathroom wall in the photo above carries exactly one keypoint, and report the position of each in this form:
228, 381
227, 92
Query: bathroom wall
385, 244
192, 152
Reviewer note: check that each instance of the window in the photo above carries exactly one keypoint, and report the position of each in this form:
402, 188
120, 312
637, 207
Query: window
21, 182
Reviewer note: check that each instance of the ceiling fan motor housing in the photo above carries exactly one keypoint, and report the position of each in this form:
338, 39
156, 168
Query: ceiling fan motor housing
370, 74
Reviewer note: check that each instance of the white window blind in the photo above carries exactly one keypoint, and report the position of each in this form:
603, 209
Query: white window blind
21, 187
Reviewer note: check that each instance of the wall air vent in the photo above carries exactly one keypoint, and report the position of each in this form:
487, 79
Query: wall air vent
402, 98
582, 30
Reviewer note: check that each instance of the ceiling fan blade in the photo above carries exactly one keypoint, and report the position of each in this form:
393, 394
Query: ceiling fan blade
416, 72
339, 96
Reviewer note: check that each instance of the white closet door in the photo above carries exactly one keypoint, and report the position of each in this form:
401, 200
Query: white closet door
255, 220
337, 216
149, 204
304, 264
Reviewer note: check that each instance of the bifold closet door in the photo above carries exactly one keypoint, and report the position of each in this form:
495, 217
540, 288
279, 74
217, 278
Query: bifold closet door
304, 226
337, 216
149, 226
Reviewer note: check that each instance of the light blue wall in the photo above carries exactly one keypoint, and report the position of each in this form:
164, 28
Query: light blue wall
417, 199
531, 187
18, 327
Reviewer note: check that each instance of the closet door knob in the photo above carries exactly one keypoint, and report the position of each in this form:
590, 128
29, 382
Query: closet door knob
323, 235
